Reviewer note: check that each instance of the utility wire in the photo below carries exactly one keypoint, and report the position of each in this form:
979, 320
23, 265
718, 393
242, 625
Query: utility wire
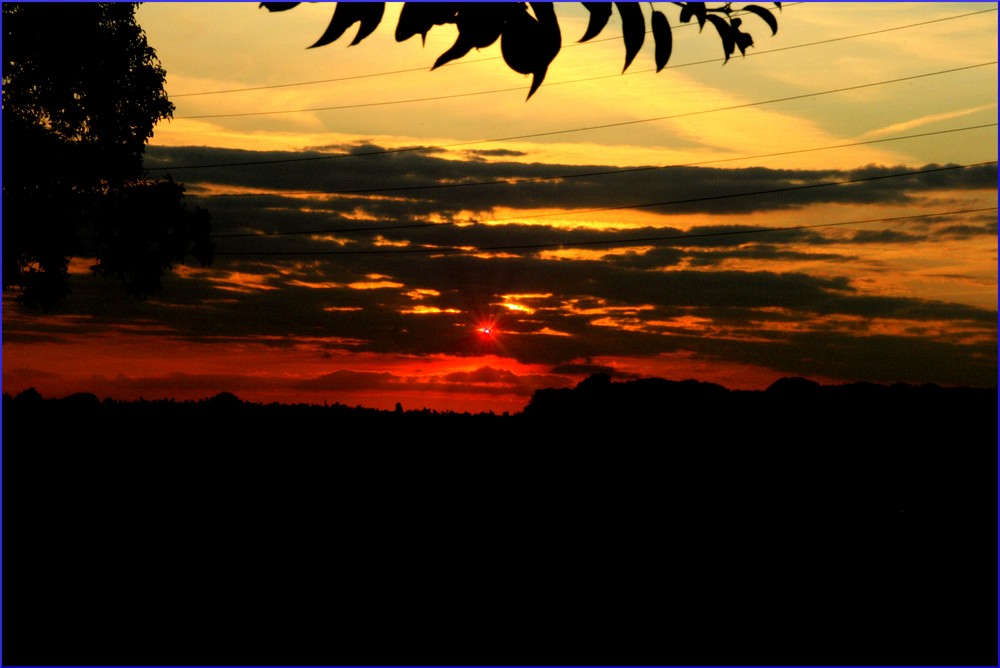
574, 130
482, 60
610, 172
771, 191
644, 205
611, 242
433, 98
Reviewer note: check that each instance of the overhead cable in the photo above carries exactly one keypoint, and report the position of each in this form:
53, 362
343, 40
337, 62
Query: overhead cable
411, 149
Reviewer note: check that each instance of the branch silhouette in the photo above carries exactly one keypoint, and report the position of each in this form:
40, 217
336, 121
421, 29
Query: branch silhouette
529, 32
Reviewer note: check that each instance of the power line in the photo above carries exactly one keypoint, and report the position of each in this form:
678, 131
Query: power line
433, 98
609, 172
772, 191
609, 242
862, 34
478, 60
574, 130
644, 205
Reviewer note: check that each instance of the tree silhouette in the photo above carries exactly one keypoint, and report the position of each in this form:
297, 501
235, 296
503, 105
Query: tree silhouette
82, 90
529, 32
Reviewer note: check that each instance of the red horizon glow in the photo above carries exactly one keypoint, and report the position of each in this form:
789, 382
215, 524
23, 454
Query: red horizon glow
127, 366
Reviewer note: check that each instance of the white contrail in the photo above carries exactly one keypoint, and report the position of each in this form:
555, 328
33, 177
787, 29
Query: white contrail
925, 120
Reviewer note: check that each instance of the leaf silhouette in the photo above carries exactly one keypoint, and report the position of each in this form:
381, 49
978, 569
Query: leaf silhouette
484, 21
419, 17
277, 6
633, 29
479, 25
600, 12
696, 9
743, 42
766, 15
518, 43
536, 81
346, 14
726, 32
530, 43
370, 19
663, 37
461, 47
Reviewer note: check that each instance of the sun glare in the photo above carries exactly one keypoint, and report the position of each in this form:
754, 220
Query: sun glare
484, 333
487, 327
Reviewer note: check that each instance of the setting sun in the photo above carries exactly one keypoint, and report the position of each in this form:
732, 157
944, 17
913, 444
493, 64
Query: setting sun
487, 328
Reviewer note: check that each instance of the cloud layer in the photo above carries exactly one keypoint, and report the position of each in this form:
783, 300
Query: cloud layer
352, 252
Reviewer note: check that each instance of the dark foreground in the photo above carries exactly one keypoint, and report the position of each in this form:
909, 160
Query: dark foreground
626, 523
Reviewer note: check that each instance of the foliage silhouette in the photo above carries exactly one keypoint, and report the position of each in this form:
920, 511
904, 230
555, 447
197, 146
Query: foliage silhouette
529, 32
82, 91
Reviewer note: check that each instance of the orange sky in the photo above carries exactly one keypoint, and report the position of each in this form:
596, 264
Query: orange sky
734, 224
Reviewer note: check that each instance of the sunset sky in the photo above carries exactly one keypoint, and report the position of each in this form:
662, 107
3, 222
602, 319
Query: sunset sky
823, 207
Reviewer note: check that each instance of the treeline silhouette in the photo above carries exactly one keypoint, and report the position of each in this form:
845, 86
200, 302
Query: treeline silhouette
633, 522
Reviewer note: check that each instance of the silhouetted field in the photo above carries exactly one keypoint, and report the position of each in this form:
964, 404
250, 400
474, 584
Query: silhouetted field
642, 522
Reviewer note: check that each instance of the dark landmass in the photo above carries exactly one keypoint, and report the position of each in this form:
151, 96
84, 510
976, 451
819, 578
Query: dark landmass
640, 522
